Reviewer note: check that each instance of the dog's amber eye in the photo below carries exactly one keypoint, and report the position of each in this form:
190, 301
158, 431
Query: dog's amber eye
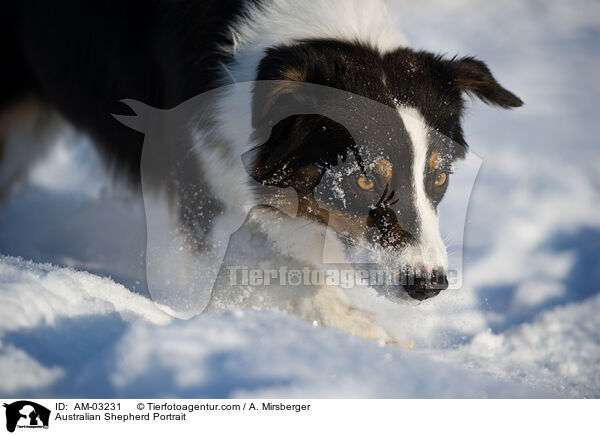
440, 179
365, 183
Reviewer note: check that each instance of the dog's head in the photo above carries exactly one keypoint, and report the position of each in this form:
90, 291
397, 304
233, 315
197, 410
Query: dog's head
380, 179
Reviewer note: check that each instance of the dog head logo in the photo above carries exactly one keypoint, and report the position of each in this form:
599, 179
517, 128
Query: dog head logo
26, 414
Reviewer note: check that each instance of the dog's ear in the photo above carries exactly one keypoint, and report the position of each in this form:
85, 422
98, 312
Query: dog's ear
296, 142
474, 77
272, 162
285, 72
275, 98
286, 125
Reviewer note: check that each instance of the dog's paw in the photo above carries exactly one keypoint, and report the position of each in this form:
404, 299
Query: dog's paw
331, 307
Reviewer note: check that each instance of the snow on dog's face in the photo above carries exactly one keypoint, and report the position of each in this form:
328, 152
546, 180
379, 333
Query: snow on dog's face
379, 180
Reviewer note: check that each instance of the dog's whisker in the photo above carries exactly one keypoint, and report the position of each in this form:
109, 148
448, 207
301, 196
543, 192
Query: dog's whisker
390, 196
382, 195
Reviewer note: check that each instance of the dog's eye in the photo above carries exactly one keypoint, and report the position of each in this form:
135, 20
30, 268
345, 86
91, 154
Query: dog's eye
440, 179
365, 183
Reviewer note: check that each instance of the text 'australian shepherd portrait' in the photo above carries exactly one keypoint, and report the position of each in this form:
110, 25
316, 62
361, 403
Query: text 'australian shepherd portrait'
292, 155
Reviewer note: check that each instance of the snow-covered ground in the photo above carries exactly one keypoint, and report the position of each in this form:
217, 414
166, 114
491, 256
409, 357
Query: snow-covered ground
524, 324
70, 333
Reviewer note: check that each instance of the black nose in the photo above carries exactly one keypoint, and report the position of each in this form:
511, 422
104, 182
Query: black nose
423, 286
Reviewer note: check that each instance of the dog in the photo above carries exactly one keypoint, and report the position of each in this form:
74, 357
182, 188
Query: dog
81, 59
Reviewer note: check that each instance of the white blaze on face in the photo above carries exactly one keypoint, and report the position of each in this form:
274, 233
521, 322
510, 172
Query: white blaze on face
433, 253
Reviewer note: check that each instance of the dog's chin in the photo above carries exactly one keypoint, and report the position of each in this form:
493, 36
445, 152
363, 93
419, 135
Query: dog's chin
399, 294
421, 295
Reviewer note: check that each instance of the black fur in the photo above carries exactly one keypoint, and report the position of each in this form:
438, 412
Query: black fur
83, 57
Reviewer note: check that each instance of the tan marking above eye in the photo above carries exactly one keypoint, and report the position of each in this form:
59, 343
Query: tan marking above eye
384, 168
365, 183
434, 161
440, 179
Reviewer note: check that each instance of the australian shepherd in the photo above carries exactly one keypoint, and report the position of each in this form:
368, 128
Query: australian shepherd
83, 58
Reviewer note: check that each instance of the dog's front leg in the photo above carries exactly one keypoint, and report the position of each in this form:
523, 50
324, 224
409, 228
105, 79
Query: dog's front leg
330, 306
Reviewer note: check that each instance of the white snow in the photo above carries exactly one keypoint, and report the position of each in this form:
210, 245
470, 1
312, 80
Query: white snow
34, 294
524, 324
559, 351
20, 372
83, 334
